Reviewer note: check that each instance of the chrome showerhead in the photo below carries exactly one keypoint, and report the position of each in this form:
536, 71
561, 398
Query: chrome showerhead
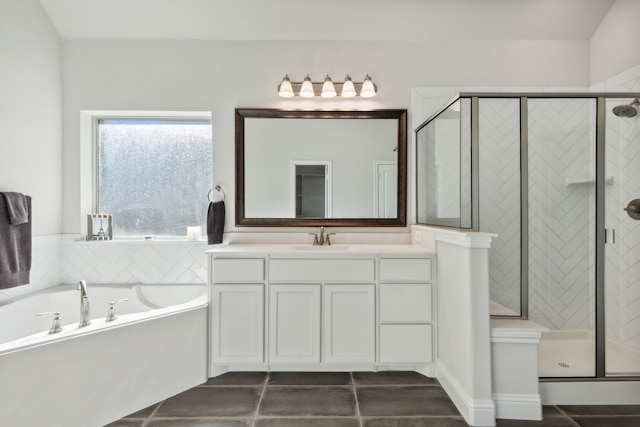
627, 110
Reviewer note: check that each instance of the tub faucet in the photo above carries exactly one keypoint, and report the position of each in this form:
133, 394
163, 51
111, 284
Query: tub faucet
85, 309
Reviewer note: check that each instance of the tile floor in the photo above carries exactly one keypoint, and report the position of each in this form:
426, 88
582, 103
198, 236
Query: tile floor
341, 399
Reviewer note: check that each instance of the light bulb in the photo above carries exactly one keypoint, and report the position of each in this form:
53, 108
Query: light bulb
328, 90
368, 88
285, 89
348, 89
306, 91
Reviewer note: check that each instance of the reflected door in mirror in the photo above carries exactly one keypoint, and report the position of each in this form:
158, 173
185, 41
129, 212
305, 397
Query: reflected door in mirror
312, 190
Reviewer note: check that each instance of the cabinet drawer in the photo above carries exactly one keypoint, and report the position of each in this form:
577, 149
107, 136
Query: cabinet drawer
405, 302
405, 269
405, 344
322, 270
238, 270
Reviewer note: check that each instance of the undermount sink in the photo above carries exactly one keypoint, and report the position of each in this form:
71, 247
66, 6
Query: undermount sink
320, 248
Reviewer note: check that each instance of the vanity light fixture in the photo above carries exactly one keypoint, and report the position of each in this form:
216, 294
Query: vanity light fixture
327, 88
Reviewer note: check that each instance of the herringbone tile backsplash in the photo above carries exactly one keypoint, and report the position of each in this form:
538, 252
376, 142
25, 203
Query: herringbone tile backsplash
58, 260
129, 262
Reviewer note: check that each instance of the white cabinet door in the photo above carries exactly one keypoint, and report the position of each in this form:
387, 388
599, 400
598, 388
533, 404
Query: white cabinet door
294, 323
237, 323
349, 323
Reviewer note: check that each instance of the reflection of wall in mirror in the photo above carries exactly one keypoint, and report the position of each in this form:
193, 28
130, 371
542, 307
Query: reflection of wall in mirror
351, 145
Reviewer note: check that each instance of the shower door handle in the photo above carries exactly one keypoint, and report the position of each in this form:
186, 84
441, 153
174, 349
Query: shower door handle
633, 209
613, 236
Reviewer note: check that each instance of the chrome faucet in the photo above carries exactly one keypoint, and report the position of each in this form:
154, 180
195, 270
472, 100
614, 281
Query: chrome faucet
322, 238
85, 309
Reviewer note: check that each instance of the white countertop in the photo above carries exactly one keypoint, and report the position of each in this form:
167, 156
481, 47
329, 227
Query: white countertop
308, 249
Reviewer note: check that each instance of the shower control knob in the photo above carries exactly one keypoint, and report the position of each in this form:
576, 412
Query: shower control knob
633, 209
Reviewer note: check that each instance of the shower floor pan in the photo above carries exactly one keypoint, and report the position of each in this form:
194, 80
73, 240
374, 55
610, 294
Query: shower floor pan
572, 354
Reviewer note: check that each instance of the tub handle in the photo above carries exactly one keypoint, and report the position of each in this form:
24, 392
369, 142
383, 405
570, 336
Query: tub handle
111, 312
57, 321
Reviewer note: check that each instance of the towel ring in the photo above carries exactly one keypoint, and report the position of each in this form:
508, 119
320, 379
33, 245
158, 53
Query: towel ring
217, 188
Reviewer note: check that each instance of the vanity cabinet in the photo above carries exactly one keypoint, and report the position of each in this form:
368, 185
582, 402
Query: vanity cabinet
320, 310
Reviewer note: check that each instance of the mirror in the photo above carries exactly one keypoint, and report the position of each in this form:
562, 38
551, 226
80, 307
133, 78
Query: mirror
311, 168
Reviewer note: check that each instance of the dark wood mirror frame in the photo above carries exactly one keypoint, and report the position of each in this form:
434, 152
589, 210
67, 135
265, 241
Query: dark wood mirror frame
399, 115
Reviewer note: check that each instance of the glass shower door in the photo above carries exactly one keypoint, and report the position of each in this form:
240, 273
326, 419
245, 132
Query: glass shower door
561, 232
622, 248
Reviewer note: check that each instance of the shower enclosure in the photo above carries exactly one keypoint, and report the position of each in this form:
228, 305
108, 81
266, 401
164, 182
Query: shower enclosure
555, 176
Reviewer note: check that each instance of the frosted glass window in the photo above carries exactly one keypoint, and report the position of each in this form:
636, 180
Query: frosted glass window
153, 175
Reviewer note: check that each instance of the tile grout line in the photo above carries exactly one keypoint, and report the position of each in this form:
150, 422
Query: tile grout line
148, 419
264, 389
571, 420
355, 395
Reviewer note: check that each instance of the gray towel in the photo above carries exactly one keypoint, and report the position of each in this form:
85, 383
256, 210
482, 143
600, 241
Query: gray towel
215, 222
15, 247
16, 207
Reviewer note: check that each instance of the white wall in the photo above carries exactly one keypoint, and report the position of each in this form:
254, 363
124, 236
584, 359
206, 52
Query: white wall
221, 76
615, 46
31, 110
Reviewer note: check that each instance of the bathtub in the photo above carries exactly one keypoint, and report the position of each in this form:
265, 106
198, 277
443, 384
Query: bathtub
90, 376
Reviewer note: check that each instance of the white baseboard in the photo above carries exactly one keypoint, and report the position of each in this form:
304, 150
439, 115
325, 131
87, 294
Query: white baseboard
476, 412
518, 407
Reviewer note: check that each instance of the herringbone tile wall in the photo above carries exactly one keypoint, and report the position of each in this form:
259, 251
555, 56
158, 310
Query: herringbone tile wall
499, 185
135, 262
59, 260
561, 229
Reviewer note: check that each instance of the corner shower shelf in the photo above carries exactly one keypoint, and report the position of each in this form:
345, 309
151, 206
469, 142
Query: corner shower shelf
586, 181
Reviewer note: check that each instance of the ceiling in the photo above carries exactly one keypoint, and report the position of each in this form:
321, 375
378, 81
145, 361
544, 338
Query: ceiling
350, 20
